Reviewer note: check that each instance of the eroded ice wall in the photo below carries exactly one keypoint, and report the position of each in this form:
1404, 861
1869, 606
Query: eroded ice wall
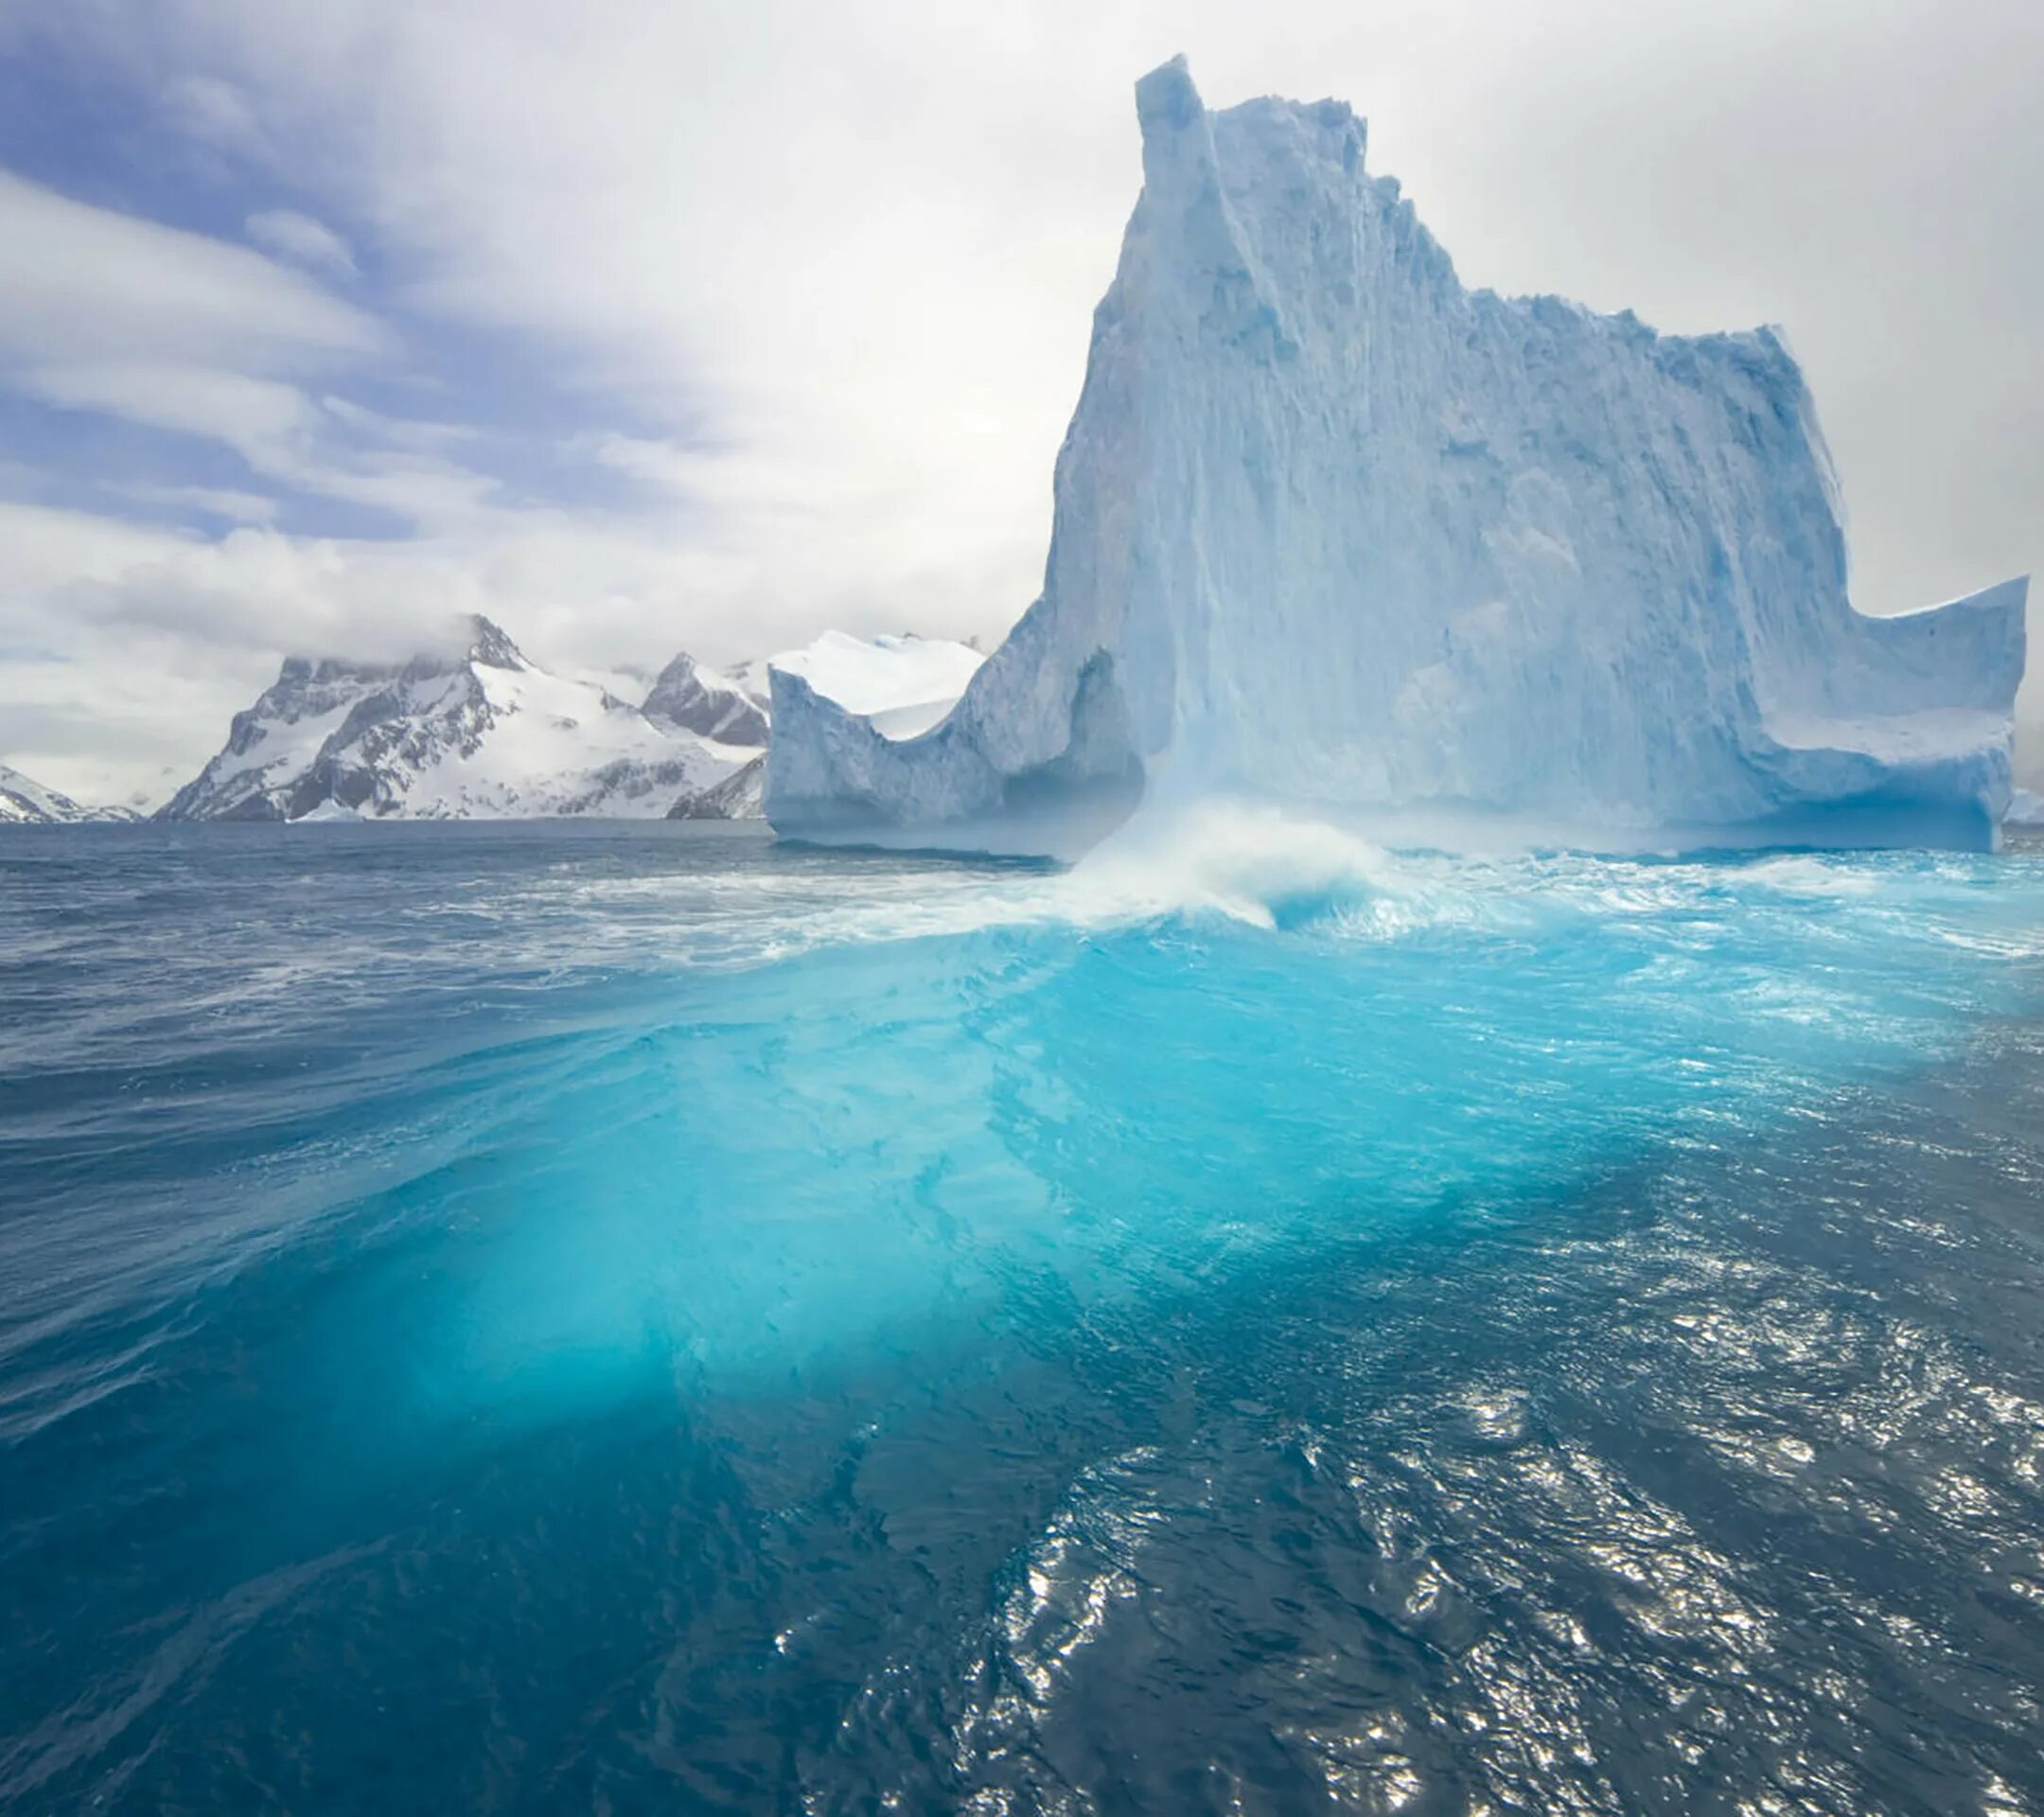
1330, 529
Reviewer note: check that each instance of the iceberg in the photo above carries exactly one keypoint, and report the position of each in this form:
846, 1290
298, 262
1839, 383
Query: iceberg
899, 686
1334, 531
902, 685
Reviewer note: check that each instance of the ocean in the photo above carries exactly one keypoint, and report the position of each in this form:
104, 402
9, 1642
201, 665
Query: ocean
618, 1317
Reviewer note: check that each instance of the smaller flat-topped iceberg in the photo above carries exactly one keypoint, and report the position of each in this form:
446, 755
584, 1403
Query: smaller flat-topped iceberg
901, 686
1334, 531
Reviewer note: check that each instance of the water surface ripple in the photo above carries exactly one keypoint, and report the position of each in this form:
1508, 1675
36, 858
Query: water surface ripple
640, 1319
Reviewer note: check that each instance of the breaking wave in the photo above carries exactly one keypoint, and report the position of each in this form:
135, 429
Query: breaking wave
1250, 865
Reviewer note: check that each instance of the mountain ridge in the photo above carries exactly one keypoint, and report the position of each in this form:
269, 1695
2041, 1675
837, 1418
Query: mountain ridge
486, 734
24, 802
480, 731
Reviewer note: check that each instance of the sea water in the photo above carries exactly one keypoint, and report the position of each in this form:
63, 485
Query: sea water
641, 1318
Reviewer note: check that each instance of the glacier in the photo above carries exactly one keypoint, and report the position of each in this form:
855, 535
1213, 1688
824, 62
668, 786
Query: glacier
1334, 531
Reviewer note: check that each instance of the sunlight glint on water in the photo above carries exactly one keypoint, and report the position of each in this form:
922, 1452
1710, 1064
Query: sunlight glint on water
640, 1313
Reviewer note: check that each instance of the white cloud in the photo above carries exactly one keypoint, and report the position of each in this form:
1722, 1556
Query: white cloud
107, 313
214, 114
48, 548
215, 501
399, 431
284, 434
828, 271
260, 419
302, 240
82, 282
857, 239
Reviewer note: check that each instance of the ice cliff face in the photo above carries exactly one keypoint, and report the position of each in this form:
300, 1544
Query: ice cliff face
24, 802
485, 735
900, 687
1331, 528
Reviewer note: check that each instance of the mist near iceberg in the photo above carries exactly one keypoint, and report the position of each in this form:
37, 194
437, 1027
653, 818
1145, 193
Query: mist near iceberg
1331, 530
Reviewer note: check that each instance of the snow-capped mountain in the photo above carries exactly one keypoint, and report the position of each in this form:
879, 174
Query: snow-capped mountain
486, 734
736, 797
1334, 531
706, 702
24, 802
902, 685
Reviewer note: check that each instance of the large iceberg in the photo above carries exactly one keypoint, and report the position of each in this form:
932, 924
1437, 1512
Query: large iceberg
1334, 531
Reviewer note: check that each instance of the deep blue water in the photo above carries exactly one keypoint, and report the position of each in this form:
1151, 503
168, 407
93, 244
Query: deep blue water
625, 1318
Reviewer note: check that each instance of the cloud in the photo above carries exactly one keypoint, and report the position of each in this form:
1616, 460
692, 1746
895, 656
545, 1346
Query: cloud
214, 114
867, 239
82, 282
49, 548
809, 288
400, 432
302, 240
260, 419
315, 446
172, 331
160, 637
221, 501
107, 313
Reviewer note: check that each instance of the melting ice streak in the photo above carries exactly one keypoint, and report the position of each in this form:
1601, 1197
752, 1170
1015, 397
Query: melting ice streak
548, 1316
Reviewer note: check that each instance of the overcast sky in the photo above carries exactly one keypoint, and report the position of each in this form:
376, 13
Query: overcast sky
647, 327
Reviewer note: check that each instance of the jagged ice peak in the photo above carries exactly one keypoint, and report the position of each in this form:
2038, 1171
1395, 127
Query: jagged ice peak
1332, 530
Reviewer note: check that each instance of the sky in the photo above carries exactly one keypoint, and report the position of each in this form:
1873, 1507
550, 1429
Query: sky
645, 328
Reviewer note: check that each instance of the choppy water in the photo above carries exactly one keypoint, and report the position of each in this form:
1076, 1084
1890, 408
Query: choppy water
636, 1320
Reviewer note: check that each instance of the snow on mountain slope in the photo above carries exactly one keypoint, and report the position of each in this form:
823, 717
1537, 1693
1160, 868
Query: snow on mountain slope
486, 734
736, 797
1332, 529
707, 703
24, 802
